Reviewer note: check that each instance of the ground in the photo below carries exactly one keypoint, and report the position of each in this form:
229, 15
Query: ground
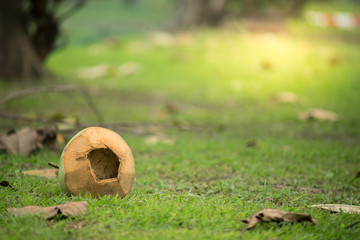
212, 144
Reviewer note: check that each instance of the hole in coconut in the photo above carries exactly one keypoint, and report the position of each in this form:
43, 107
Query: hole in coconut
104, 163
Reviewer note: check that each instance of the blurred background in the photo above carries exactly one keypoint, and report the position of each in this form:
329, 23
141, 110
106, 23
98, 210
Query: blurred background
214, 64
229, 107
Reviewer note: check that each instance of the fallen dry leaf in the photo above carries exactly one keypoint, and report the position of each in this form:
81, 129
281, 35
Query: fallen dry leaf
48, 136
281, 186
251, 144
285, 97
23, 141
357, 174
94, 72
74, 208
49, 172
6, 184
112, 42
236, 85
136, 47
319, 114
128, 69
67, 124
339, 208
305, 189
184, 38
159, 138
172, 108
60, 139
78, 225
97, 49
68, 209
162, 39
334, 60
275, 215
266, 65
312, 190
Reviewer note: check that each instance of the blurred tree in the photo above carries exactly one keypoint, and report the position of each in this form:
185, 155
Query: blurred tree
212, 12
270, 8
199, 12
129, 3
28, 33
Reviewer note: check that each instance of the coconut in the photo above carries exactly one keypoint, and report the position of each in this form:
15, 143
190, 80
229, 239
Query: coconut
96, 161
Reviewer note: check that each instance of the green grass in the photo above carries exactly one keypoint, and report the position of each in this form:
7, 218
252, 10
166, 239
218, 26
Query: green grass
111, 18
199, 188
334, 6
219, 84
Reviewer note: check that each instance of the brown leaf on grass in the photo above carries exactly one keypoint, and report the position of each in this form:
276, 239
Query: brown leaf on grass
49, 172
136, 47
266, 65
47, 212
94, 72
128, 69
112, 42
275, 215
60, 139
305, 189
251, 144
47, 136
312, 190
236, 86
159, 138
357, 174
67, 124
281, 186
23, 141
74, 208
6, 184
172, 108
334, 60
164, 39
285, 97
97, 49
68, 209
339, 208
78, 225
319, 114
184, 38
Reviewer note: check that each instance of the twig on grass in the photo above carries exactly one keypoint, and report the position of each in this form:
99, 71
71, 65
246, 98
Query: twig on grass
353, 224
22, 118
54, 165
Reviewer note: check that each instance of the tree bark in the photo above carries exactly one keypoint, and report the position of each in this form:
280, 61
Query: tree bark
47, 29
296, 7
189, 13
199, 12
18, 56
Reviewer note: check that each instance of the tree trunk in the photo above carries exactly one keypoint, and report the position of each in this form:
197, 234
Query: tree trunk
296, 7
199, 12
18, 57
189, 13
215, 11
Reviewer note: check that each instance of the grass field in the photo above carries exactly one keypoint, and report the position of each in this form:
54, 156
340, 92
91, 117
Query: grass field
233, 149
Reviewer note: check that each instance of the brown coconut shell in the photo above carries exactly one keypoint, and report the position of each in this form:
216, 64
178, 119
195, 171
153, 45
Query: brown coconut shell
97, 161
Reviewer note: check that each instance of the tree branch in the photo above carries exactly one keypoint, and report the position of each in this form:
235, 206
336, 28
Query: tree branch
47, 89
71, 10
22, 118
